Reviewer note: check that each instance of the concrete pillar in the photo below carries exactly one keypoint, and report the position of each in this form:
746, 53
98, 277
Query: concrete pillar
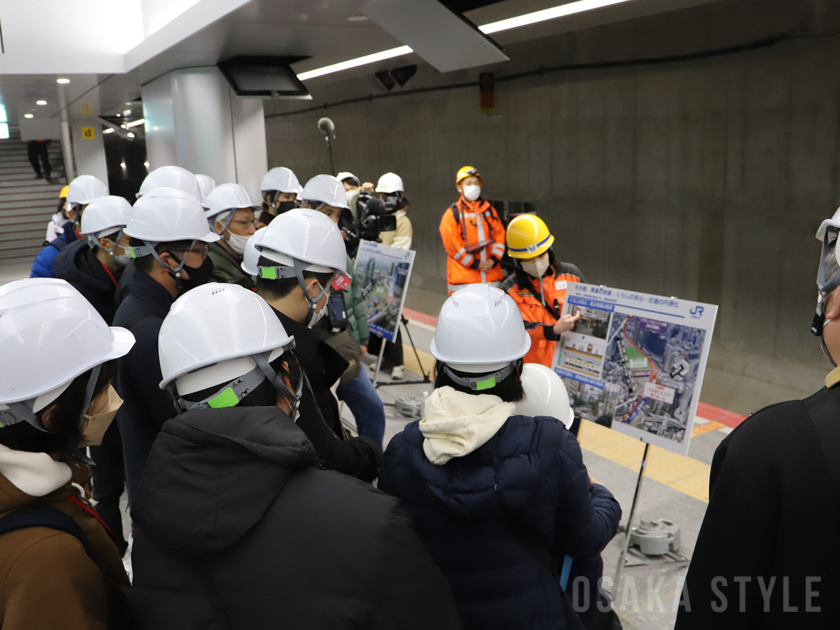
194, 120
66, 143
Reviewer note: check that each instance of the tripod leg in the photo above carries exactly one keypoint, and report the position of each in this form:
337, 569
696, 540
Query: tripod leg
379, 363
413, 347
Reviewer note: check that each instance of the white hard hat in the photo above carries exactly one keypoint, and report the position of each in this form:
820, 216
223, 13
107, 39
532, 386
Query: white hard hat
545, 394
480, 330
252, 255
105, 213
166, 215
171, 177
281, 179
227, 197
325, 189
308, 236
390, 183
833, 222
348, 175
85, 189
213, 323
49, 335
206, 184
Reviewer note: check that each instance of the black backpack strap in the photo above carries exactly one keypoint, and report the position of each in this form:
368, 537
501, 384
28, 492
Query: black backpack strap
43, 515
824, 412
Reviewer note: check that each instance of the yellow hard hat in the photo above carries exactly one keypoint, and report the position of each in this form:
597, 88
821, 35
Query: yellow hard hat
464, 172
528, 237
63, 193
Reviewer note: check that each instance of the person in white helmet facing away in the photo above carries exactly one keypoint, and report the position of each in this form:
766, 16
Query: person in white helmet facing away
279, 189
231, 215
353, 187
171, 177
206, 184
81, 192
235, 496
753, 565
392, 193
545, 395
169, 238
252, 256
59, 567
345, 327
493, 492
302, 256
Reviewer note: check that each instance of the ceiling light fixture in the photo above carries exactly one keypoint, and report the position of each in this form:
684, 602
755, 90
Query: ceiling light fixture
122, 164
28, 116
581, 6
130, 134
63, 81
134, 123
40, 102
109, 130
127, 112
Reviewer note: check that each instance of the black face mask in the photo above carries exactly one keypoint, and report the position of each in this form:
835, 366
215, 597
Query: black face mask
285, 206
198, 275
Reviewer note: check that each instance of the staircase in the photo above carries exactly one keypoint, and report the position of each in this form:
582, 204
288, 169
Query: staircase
26, 204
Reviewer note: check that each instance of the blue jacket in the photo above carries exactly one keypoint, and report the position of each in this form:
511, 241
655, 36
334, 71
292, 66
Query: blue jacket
490, 518
43, 265
146, 406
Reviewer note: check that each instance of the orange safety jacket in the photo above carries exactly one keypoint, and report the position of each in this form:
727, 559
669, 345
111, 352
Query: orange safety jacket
540, 319
472, 233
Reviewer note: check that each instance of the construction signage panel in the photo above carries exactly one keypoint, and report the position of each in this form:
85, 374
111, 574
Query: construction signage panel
636, 361
383, 273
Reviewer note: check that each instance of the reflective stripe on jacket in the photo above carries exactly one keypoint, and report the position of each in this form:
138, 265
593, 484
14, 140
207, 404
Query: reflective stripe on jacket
539, 321
465, 226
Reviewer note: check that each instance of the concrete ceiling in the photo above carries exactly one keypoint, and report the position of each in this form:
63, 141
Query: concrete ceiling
208, 31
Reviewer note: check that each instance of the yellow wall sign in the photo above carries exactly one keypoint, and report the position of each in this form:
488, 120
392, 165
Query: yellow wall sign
88, 133
85, 108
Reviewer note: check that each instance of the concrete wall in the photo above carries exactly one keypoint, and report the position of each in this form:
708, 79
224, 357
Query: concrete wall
704, 179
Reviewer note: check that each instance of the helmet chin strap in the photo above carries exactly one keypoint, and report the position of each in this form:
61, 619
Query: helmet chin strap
296, 271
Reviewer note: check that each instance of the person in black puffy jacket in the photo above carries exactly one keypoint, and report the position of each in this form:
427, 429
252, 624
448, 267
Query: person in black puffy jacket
236, 524
497, 498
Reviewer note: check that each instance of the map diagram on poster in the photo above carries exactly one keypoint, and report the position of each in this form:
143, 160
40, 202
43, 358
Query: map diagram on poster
383, 273
637, 360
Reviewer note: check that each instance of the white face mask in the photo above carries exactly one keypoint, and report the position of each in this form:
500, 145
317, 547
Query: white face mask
121, 261
536, 267
237, 242
471, 193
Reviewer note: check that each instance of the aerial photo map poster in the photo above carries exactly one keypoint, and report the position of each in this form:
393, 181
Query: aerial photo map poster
637, 360
383, 273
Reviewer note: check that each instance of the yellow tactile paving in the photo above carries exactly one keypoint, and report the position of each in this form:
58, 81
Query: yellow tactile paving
684, 474
700, 429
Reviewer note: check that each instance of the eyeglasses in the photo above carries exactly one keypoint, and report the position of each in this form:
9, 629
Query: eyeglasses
246, 224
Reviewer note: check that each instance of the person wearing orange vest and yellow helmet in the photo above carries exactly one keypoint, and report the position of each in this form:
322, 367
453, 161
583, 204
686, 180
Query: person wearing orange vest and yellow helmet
473, 236
539, 285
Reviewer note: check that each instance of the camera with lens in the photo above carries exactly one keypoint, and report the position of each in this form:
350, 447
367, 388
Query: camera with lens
374, 217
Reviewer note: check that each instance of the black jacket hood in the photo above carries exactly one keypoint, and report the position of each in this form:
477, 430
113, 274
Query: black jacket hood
74, 265
213, 474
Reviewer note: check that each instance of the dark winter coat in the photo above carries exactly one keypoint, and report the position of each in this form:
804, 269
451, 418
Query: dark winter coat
489, 519
238, 495
226, 267
358, 457
146, 406
771, 524
77, 264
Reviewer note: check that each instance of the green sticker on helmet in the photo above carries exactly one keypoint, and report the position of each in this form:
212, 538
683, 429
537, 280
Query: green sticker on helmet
227, 398
268, 273
490, 383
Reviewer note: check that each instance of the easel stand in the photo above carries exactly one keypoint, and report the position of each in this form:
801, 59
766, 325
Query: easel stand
622, 559
426, 378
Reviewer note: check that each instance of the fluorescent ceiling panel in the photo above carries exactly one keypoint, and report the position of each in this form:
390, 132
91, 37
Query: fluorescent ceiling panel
443, 39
